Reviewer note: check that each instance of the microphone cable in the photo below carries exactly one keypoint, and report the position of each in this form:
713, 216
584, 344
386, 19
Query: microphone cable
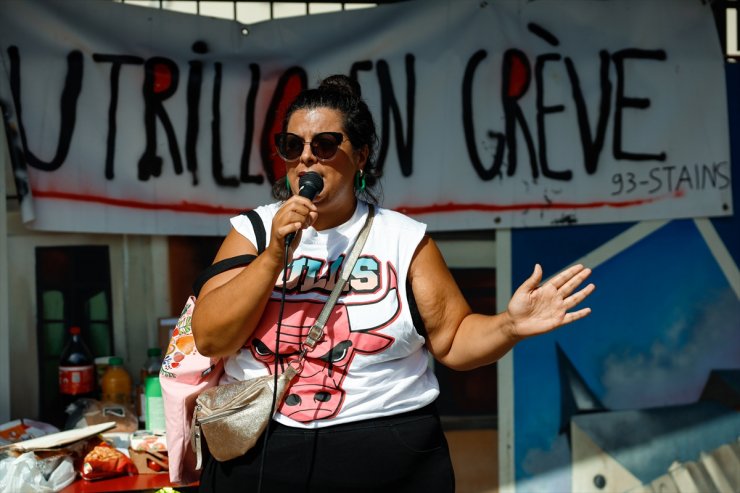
275, 372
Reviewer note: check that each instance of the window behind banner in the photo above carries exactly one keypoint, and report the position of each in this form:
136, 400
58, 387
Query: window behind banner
72, 288
252, 11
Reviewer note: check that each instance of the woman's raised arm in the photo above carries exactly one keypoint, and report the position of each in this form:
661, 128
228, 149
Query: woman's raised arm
231, 303
463, 340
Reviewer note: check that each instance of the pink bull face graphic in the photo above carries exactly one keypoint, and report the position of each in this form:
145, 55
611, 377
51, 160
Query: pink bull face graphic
317, 393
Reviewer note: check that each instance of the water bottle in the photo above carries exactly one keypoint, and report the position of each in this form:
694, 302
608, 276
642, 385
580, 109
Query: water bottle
149, 370
155, 420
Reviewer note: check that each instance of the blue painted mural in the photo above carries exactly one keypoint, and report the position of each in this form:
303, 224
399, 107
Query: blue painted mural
666, 313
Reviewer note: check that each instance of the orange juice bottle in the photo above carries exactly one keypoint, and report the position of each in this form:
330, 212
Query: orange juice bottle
116, 383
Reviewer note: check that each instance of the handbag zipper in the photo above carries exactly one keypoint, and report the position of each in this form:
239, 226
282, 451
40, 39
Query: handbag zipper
222, 414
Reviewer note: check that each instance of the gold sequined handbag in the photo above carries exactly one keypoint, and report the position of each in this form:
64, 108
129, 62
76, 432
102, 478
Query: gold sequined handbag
232, 417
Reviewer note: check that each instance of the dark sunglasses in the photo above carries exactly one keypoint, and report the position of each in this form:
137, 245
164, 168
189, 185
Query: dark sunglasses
324, 145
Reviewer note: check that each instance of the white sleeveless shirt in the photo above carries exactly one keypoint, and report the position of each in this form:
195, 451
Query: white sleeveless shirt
371, 361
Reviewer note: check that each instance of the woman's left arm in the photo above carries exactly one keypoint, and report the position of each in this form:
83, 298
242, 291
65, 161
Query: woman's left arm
463, 340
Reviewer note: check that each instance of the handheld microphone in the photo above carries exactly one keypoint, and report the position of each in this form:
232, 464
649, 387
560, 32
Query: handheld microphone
309, 186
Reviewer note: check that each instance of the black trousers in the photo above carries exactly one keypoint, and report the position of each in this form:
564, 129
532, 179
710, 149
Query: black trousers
397, 454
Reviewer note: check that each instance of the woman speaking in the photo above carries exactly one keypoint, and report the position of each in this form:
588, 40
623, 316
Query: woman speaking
360, 415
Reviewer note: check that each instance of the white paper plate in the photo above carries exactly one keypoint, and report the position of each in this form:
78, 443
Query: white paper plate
61, 438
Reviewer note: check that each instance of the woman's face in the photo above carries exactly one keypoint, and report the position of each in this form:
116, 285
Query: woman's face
338, 171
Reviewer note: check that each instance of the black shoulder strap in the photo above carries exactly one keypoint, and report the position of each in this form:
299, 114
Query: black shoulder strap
218, 268
232, 262
259, 229
415, 315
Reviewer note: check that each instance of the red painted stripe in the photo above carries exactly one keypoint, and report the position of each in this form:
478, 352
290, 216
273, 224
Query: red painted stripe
449, 207
452, 207
136, 204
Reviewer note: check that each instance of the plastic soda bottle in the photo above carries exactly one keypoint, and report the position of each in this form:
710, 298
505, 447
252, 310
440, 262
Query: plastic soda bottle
76, 369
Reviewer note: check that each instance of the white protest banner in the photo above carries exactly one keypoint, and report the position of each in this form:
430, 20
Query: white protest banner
510, 113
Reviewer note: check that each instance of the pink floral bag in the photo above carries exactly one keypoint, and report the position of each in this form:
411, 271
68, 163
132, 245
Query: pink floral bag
185, 373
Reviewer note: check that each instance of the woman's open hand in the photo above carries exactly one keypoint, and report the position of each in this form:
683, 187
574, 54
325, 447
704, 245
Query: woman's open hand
536, 309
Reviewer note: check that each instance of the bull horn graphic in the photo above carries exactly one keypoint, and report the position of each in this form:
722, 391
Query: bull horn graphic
371, 315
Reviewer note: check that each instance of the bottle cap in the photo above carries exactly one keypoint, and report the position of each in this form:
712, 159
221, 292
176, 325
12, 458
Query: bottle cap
74, 330
154, 351
115, 361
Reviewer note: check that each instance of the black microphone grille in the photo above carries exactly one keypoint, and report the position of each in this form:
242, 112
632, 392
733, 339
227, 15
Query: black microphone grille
310, 184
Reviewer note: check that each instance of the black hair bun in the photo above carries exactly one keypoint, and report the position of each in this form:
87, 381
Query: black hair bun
342, 83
